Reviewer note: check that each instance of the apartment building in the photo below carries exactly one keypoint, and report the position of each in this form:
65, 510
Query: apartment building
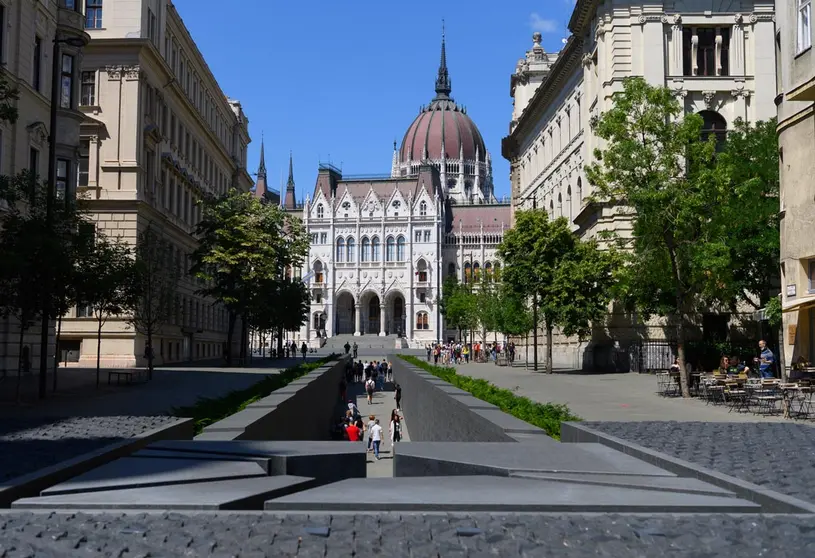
28, 31
718, 58
796, 137
158, 134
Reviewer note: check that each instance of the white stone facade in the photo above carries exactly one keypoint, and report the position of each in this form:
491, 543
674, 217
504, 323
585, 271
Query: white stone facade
159, 133
718, 57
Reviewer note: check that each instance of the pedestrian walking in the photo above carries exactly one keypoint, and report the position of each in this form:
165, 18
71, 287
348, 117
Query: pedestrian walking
353, 432
304, 349
356, 348
376, 436
369, 390
347, 347
398, 396
390, 371
353, 408
395, 429
371, 423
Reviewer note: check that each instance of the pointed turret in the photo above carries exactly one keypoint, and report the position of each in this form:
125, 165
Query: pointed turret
395, 161
260, 185
443, 87
290, 202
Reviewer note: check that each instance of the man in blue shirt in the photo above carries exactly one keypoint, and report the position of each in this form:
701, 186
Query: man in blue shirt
766, 360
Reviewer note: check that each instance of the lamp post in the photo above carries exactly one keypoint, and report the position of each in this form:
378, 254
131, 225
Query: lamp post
56, 64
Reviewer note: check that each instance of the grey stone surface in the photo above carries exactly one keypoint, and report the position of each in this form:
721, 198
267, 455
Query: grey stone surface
406, 535
670, 484
29, 444
486, 493
777, 456
133, 472
245, 494
416, 458
257, 448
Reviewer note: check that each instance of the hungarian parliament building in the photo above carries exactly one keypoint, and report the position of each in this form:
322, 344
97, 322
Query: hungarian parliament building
381, 248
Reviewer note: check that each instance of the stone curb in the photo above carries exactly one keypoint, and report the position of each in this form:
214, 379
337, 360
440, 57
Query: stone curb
770, 500
32, 484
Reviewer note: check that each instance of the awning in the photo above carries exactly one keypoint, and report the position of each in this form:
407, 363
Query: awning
798, 305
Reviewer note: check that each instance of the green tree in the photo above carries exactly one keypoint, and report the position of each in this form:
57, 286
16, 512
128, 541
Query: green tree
487, 306
569, 280
107, 285
515, 318
655, 165
244, 245
458, 306
154, 286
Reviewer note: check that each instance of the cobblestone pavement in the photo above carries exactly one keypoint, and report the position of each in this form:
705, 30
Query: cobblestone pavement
779, 456
28, 444
604, 397
254, 535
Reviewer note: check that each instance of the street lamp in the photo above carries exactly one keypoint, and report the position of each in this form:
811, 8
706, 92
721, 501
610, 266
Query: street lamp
56, 64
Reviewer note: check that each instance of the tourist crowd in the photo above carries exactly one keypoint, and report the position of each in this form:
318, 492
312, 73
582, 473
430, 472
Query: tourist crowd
463, 353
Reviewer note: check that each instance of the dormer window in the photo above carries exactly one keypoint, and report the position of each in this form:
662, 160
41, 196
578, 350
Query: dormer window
320, 211
423, 208
396, 204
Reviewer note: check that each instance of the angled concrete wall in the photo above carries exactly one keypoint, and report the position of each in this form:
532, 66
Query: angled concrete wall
301, 410
439, 412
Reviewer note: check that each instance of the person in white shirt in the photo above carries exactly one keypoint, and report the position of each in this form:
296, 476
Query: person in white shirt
376, 436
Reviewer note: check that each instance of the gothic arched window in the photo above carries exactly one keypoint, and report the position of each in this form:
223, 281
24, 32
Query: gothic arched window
400, 249
340, 249
351, 251
390, 249
422, 321
375, 249
423, 208
365, 253
714, 124
320, 211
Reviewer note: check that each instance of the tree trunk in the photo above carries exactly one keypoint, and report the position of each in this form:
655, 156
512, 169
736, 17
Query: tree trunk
680, 354
781, 361
548, 347
535, 331
280, 342
20, 360
526, 351
98, 351
244, 340
680, 326
229, 333
56, 353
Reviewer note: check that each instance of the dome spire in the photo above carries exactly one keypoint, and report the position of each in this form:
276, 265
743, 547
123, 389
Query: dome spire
262, 166
443, 87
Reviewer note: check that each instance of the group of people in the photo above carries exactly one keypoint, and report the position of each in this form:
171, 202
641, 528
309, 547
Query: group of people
764, 364
373, 375
463, 353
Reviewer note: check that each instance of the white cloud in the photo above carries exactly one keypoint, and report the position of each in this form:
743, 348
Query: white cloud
538, 23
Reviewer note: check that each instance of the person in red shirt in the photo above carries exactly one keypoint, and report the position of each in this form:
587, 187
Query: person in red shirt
353, 432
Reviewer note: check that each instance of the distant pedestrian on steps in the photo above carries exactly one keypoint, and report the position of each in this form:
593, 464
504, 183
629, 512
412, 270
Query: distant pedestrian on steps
398, 396
369, 390
376, 436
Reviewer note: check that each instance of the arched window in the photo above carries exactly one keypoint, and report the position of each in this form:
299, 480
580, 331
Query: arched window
320, 211
496, 271
318, 272
365, 253
551, 209
569, 199
580, 191
340, 249
422, 321
423, 208
351, 251
488, 271
400, 249
451, 269
468, 272
421, 271
375, 257
477, 271
560, 205
714, 124
390, 249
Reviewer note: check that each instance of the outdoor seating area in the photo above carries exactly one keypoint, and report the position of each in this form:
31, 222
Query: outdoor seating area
743, 394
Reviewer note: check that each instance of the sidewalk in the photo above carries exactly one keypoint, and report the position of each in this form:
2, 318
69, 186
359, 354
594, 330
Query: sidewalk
383, 404
605, 397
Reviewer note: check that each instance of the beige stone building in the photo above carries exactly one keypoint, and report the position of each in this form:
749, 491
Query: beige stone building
159, 132
719, 59
796, 135
27, 34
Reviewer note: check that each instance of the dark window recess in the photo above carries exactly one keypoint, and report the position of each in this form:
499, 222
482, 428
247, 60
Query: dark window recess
37, 66
63, 176
84, 162
714, 124
34, 162
725, 54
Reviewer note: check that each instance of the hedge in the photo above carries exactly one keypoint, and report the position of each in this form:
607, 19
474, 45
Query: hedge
206, 411
546, 416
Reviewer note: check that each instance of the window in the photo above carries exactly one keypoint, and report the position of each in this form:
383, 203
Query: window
63, 175
418, 236
37, 64
804, 24
314, 238
422, 275
375, 257
66, 82
427, 236
706, 51
352, 248
323, 238
34, 162
423, 208
88, 94
390, 249
340, 249
468, 272
93, 14
318, 297
151, 26
422, 321
714, 124
320, 211
400, 249
84, 311
365, 253
451, 269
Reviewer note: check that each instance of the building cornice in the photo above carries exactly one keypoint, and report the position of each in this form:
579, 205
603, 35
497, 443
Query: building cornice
581, 15
568, 60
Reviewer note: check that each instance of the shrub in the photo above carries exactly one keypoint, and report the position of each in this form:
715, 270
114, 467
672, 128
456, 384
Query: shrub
209, 410
546, 416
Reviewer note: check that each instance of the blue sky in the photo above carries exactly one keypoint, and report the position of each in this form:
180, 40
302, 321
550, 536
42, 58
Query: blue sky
343, 80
